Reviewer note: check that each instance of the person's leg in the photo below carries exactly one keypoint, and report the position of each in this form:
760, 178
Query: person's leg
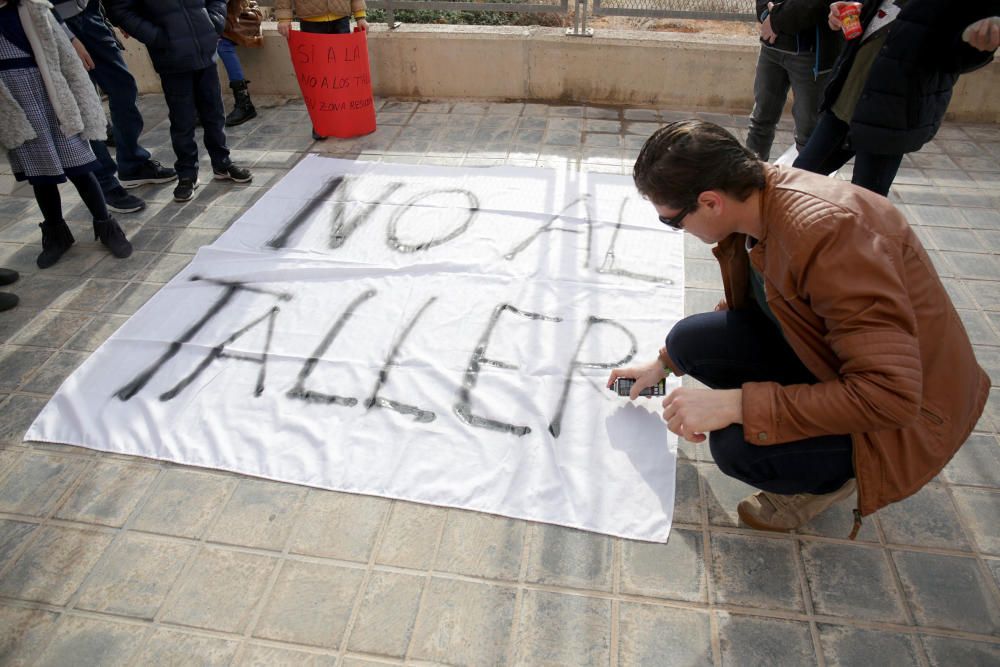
56, 236
208, 101
875, 172
91, 194
725, 349
227, 53
770, 89
826, 150
112, 75
118, 200
178, 91
105, 226
807, 93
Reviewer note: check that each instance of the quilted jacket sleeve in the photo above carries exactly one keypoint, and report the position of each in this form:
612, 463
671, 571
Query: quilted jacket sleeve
852, 278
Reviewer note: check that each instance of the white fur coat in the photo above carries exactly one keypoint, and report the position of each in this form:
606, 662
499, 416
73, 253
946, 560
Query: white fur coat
73, 97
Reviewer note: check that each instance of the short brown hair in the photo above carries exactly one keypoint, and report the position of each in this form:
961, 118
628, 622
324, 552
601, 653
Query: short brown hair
687, 157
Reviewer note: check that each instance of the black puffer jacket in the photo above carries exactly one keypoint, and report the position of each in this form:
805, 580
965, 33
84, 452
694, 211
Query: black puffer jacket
802, 27
181, 35
910, 84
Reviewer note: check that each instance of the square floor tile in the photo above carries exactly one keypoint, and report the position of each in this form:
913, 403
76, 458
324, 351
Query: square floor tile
558, 629
36, 482
220, 591
463, 623
844, 646
184, 502
926, 519
566, 557
259, 514
755, 572
977, 462
135, 576
841, 580
948, 592
24, 633
169, 647
674, 571
949, 652
88, 641
387, 614
663, 636
481, 545
54, 565
108, 493
981, 509
339, 525
749, 640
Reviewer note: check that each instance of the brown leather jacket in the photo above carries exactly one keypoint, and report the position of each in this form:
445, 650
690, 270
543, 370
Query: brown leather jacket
243, 23
861, 305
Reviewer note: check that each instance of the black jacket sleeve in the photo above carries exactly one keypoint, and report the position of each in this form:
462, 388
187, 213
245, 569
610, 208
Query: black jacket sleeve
125, 14
793, 16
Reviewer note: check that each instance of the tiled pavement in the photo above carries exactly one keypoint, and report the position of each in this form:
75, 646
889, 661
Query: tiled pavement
108, 559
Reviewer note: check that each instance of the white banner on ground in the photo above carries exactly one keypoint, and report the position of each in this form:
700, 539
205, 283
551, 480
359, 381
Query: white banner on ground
433, 334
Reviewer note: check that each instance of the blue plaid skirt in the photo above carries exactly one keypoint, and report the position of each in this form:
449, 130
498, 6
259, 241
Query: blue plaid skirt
50, 157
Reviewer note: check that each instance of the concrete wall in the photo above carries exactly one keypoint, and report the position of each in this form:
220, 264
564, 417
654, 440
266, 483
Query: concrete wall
675, 70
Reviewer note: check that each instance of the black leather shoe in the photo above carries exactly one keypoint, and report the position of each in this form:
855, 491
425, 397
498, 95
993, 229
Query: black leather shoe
7, 301
8, 276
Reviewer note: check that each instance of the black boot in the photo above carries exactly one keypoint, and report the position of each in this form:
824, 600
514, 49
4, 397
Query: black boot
112, 236
56, 240
244, 110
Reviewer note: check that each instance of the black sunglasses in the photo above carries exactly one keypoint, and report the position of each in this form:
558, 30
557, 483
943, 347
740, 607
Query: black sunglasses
676, 222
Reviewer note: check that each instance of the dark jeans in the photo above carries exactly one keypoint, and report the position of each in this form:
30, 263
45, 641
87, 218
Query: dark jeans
113, 77
727, 348
191, 95
829, 149
341, 26
49, 201
778, 71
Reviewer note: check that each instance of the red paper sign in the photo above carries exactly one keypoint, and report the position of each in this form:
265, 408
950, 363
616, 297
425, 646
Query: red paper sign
336, 82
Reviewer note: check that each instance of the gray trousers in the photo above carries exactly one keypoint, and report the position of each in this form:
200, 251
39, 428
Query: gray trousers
777, 71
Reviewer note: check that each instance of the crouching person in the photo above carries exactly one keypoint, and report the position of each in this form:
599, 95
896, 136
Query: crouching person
182, 37
837, 362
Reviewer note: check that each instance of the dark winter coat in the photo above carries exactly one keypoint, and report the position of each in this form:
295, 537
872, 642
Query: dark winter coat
802, 27
910, 84
181, 35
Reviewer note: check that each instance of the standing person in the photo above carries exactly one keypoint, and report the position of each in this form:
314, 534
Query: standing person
890, 88
182, 36
243, 19
101, 54
797, 50
50, 110
837, 362
327, 17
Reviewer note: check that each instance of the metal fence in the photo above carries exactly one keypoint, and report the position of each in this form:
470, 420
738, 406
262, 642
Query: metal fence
727, 10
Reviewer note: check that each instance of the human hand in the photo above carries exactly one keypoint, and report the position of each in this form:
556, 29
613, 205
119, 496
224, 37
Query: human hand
362, 25
722, 305
284, 27
984, 34
691, 413
81, 50
767, 33
645, 375
834, 18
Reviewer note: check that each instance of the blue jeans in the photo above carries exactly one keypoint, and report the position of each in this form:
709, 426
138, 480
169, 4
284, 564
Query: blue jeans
231, 61
725, 349
778, 71
830, 148
112, 76
189, 94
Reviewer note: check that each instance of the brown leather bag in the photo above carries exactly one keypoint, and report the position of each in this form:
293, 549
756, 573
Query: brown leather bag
243, 18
